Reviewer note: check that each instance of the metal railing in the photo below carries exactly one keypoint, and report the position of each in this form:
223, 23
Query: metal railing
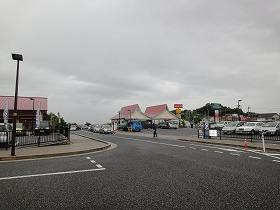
250, 136
35, 137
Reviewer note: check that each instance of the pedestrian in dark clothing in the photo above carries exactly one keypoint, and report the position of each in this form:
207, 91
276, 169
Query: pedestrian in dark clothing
155, 130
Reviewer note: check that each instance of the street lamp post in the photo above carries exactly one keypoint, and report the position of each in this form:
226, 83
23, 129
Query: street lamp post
32, 127
18, 58
238, 106
119, 122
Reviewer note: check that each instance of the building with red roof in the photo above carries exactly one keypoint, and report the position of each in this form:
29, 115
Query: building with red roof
160, 113
27, 107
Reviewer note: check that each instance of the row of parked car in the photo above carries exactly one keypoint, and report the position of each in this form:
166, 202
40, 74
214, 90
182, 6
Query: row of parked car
105, 128
238, 127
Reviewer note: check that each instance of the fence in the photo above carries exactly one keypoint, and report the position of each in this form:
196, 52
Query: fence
35, 137
250, 137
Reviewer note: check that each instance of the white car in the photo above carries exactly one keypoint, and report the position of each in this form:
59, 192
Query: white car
5, 135
250, 128
96, 128
106, 129
230, 128
271, 128
73, 128
173, 124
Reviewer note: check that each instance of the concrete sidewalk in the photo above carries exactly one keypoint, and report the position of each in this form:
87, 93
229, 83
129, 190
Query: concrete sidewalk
226, 142
78, 145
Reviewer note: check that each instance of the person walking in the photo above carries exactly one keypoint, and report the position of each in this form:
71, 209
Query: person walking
155, 130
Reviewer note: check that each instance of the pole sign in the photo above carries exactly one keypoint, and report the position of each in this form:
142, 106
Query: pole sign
216, 106
178, 106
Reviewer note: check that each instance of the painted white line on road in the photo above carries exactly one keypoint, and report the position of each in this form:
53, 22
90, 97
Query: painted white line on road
52, 174
221, 148
192, 148
153, 142
204, 149
236, 154
219, 152
278, 161
88, 158
93, 161
254, 157
99, 166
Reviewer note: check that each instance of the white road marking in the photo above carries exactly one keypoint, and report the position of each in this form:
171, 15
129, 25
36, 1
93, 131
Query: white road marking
221, 148
88, 158
254, 157
219, 152
99, 166
93, 161
204, 149
236, 154
51, 174
278, 161
153, 142
192, 148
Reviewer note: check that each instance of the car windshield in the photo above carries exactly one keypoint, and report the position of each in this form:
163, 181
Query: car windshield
19, 125
271, 124
106, 126
232, 124
249, 124
2, 128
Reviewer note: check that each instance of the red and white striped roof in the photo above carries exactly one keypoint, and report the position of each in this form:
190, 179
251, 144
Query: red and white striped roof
160, 112
24, 103
153, 111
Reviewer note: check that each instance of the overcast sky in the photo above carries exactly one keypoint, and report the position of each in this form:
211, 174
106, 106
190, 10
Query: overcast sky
91, 57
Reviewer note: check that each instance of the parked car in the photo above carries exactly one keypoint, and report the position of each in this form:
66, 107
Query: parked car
43, 129
96, 128
173, 124
220, 125
163, 125
230, 128
20, 131
5, 134
73, 127
106, 129
271, 128
250, 128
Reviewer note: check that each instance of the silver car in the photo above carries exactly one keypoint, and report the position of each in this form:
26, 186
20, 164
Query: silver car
4, 133
231, 127
250, 128
271, 128
106, 129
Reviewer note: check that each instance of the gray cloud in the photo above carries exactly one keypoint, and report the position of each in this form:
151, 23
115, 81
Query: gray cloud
92, 57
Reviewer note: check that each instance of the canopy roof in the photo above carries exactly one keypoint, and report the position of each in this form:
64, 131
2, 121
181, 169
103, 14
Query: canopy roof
160, 112
131, 112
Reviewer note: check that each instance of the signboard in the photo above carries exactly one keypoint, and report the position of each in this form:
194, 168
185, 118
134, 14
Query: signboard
176, 106
217, 116
178, 111
216, 106
213, 133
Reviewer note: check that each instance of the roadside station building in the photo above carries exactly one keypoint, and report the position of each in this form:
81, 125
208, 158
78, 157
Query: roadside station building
127, 113
154, 114
160, 113
27, 107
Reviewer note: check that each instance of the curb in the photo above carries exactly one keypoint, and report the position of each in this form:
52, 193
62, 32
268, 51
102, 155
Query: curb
225, 144
22, 157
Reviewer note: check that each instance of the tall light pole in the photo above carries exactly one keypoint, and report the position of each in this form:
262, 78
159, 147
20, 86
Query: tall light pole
238, 106
18, 58
129, 115
119, 120
33, 100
